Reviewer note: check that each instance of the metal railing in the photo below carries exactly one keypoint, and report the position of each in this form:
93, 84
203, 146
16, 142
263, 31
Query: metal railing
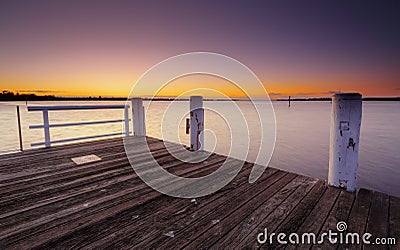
46, 123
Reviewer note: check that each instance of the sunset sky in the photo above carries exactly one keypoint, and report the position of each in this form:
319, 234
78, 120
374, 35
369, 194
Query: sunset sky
298, 48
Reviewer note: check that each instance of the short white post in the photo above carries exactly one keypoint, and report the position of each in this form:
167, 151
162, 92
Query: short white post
138, 117
126, 120
344, 140
196, 123
46, 128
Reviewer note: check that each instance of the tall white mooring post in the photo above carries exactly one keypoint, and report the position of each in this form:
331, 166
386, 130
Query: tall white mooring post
196, 123
138, 117
344, 140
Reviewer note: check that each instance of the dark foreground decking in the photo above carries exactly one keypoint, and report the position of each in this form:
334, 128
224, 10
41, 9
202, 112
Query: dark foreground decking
47, 201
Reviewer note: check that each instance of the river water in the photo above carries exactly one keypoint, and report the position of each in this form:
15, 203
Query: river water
302, 139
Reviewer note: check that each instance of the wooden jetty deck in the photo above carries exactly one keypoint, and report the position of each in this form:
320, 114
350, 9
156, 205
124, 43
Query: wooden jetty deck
47, 201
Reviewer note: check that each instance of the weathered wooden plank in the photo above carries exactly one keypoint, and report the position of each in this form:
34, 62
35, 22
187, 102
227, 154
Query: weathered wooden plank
50, 160
42, 151
109, 229
243, 215
49, 202
67, 169
72, 197
339, 214
37, 173
276, 218
76, 177
33, 174
101, 213
70, 148
378, 219
207, 239
357, 221
238, 181
49, 226
31, 166
394, 221
314, 221
44, 171
203, 219
129, 180
294, 220
53, 152
103, 206
250, 223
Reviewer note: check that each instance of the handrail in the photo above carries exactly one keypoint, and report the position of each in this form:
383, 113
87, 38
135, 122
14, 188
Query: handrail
75, 124
46, 124
76, 139
41, 108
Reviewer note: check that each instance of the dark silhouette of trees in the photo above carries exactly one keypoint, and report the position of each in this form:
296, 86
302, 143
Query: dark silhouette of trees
6, 95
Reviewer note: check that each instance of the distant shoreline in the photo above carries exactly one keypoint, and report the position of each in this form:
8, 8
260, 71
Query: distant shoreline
391, 99
9, 96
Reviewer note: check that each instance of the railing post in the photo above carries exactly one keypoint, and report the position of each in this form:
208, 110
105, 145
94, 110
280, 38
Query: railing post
138, 117
344, 141
196, 123
46, 128
126, 120
19, 129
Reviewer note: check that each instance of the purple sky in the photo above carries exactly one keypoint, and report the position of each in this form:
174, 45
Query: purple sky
295, 47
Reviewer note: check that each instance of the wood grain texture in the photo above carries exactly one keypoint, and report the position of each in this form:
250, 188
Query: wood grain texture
48, 202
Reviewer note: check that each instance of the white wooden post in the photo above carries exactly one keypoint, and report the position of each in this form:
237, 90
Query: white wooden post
196, 123
142, 119
126, 120
344, 140
46, 128
138, 117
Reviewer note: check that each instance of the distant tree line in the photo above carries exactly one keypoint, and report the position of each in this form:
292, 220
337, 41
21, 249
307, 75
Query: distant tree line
6, 95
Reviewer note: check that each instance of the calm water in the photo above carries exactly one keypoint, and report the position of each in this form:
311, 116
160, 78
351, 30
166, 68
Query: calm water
302, 135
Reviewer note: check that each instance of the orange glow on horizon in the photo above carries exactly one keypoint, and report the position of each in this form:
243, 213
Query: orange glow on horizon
110, 86
274, 91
